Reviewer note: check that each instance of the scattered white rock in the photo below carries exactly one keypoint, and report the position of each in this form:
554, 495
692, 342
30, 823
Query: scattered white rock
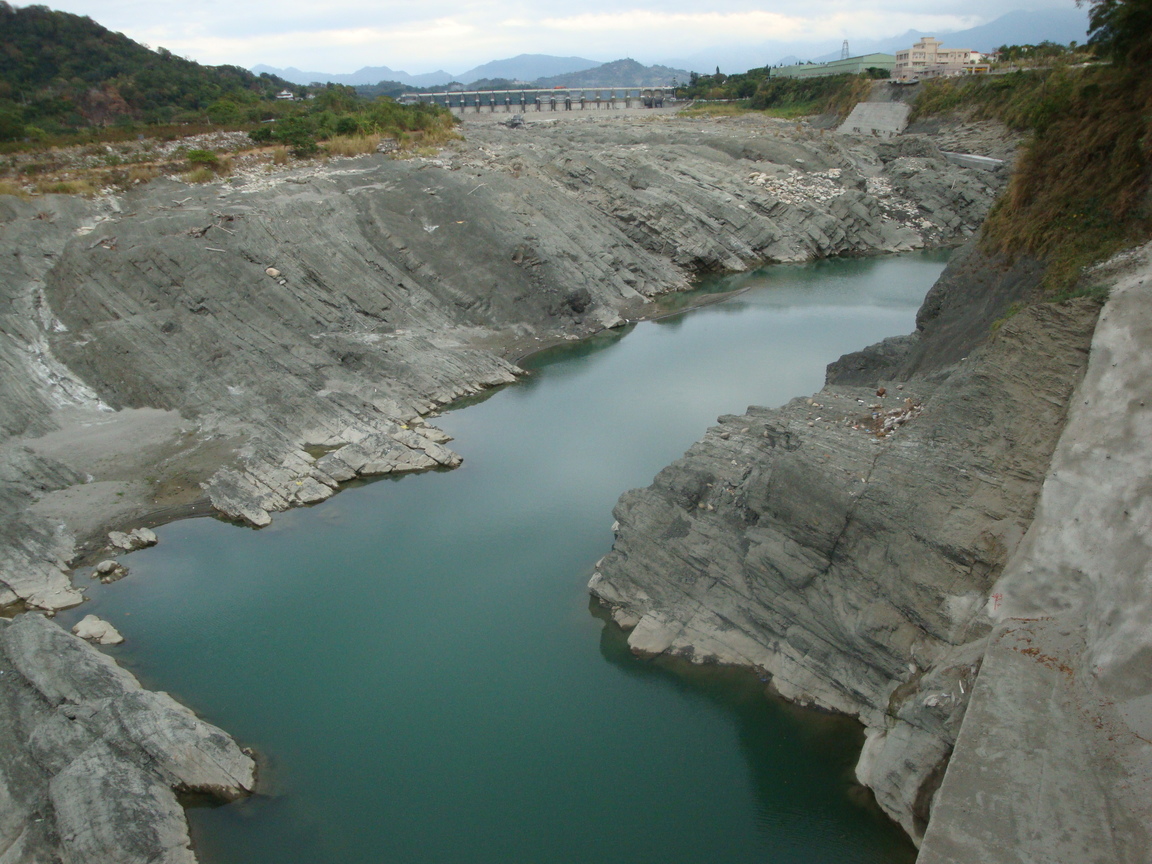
136, 539
97, 630
272, 271
797, 187
109, 571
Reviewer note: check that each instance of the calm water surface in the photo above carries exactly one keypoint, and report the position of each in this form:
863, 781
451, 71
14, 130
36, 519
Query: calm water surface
416, 661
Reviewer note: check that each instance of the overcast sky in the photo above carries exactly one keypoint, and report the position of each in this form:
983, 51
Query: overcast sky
455, 35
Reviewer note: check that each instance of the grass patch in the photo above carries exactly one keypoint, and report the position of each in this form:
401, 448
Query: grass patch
841, 100
351, 145
198, 175
9, 188
143, 173
66, 187
1082, 189
206, 160
716, 109
1082, 186
1011, 312
1092, 291
1025, 100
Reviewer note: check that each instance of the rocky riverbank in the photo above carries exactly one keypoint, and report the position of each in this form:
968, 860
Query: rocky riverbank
247, 346
863, 547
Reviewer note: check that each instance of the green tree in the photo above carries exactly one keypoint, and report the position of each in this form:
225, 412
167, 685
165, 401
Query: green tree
299, 133
1121, 29
224, 112
11, 124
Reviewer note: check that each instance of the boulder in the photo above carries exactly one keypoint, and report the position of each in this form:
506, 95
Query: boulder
109, 571
138, 538
97, 630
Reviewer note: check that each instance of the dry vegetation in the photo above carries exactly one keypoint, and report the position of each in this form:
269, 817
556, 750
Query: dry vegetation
351, 145
87, 169
1082, 188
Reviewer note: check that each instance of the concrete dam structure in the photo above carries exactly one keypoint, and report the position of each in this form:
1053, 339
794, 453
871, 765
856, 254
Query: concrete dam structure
546, 99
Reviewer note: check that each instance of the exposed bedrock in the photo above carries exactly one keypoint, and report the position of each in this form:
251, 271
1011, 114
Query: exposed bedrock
243, 330
846, 544
248, 346
91, 762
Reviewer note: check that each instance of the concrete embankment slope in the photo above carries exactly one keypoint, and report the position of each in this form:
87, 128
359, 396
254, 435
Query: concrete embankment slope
1054, 760
882, 119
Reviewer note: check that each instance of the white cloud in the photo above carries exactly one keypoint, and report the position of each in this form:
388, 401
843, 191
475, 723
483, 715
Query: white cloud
343, 35
752, 26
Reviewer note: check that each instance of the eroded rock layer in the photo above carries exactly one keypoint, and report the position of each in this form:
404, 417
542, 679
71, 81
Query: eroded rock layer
247, 346
241, 330
846, 544
92, 762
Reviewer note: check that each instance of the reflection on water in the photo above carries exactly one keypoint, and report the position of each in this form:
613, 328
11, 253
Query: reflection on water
415, 661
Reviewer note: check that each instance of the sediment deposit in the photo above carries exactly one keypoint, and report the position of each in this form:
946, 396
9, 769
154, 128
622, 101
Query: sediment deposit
247, 346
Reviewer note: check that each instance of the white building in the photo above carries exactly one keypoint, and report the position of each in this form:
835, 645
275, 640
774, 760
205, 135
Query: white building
928, 58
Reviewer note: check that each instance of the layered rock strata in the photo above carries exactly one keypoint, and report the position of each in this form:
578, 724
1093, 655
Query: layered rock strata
247, 346
399, 286
92, 763
847, 544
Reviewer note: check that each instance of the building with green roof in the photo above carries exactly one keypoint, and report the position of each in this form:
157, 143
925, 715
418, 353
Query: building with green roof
851, 66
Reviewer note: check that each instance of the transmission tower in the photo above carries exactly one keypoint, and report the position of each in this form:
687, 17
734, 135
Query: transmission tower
844, 50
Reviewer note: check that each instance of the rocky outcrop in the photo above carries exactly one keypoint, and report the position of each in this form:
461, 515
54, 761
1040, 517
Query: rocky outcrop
97, 630
847, 544
399, 286
92, 763
137, 538
247, 346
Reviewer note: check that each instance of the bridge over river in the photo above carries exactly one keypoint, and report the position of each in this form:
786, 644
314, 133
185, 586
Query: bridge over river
552, 99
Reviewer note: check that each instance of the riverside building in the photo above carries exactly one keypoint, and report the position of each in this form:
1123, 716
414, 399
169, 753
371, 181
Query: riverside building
928, 58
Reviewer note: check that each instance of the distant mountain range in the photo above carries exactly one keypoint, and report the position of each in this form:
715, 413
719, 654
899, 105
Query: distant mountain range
1014, 28
525, 67
367, 75
619, 73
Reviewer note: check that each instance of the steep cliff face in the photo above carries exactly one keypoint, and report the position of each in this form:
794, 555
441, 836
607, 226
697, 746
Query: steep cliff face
846, 544
1054, 758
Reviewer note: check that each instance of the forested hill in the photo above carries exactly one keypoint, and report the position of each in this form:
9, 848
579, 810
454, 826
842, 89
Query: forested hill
61, 72
619, 73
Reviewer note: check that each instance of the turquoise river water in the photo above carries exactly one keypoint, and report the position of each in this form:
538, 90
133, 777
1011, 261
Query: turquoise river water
415, 659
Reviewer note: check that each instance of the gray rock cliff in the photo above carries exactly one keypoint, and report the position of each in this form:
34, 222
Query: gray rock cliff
400, 286
92, 763
248, 346
847, 544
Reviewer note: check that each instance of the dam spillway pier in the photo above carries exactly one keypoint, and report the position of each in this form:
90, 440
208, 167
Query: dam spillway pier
546, 99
